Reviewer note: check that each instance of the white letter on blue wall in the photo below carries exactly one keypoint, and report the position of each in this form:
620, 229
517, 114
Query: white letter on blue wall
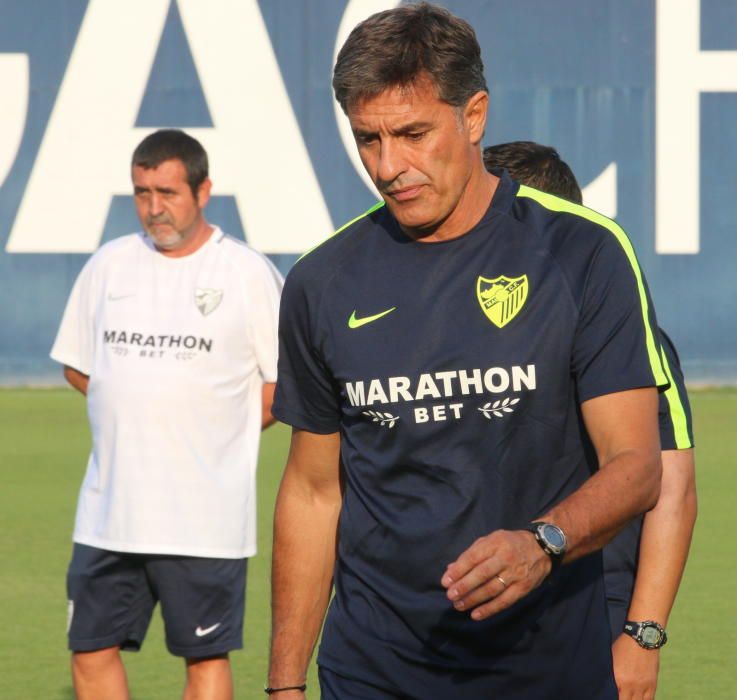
682, 73
256, 149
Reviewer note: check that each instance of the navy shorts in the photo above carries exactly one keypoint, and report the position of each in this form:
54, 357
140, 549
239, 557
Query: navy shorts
112, 596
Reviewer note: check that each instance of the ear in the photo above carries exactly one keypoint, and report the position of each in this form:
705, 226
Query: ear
203, 193
474, 115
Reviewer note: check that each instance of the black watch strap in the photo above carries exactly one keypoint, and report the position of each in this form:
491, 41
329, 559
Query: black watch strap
556, 554
648, 634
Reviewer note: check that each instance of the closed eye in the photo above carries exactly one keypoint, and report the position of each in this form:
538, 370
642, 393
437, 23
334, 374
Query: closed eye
415, 135
363, 139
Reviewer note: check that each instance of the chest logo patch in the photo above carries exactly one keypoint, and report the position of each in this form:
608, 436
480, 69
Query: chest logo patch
502, 298
207, 300
355, 322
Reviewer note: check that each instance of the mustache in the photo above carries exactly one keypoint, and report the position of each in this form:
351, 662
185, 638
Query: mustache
157, 220
391, 186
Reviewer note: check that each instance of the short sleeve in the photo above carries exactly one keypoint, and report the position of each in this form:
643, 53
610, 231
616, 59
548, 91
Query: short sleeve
306, 395
674, 414
74, 344
264, 292
616, 343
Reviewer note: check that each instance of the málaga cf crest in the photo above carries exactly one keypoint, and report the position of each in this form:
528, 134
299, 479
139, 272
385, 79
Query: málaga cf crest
207, 300
502, 298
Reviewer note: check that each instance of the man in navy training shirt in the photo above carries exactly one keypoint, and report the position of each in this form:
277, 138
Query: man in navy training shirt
471, 370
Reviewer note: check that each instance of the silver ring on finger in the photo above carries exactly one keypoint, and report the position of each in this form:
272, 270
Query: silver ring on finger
501, 580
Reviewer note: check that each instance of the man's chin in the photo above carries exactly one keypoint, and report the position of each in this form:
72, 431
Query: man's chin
165, 242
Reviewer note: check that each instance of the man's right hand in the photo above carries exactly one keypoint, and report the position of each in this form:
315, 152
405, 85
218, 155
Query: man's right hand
635, 669
495, 572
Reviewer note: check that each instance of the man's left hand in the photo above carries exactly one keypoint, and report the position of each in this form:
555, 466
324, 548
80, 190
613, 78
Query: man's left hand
635, 669
495, 572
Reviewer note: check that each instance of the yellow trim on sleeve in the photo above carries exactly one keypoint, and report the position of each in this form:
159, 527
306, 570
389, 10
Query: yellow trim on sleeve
676, 409
376, 206
553, 203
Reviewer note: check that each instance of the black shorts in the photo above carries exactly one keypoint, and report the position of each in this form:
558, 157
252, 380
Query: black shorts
112, 597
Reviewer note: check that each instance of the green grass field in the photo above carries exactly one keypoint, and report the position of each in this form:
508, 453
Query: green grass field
43, 447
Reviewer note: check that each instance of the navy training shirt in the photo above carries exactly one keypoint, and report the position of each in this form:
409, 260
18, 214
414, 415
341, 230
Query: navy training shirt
621, 555
454, 372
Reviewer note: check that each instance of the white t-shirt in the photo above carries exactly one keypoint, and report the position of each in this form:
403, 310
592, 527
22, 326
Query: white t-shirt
177, 351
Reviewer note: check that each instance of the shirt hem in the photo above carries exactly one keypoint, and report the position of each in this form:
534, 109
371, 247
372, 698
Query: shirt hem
596, 391
69, 361
183, 550
297, 420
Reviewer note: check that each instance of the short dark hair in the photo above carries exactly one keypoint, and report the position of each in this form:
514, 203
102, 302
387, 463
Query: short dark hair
398, 47
535, 165
173, 144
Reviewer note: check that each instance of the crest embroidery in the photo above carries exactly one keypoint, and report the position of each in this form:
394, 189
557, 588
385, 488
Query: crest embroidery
207, 300
501, 298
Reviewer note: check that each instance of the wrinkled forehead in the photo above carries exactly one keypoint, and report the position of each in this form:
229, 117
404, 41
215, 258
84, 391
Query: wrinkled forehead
170, 171
421, 91
422, 83
169, 165
398, 106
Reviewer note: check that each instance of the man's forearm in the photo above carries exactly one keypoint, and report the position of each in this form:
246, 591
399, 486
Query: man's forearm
624, 486
665, 540
628, 480
305, 527
622, 489
500, 568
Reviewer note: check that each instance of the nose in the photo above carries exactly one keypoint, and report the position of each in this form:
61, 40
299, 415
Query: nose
391, 162
156, 204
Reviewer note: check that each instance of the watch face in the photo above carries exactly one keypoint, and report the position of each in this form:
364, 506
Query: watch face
553, 537
650, 636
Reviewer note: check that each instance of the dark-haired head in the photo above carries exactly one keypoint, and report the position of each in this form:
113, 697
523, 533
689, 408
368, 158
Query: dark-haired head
399, 47
173, 144
535, 165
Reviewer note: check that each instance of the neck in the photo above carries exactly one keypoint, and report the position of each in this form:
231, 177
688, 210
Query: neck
468, 211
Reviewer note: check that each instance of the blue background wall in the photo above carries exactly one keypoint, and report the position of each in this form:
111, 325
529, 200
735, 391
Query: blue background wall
576, 74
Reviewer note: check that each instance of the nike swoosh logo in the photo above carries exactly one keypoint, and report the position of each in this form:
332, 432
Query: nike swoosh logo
354, 322
202, 632
118, 297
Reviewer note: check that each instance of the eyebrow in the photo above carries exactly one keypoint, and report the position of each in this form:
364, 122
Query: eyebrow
162, 190
403, 130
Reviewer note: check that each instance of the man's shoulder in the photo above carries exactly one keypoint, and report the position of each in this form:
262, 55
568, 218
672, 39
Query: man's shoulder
573, 234
320, 261
240, 252
559, 219
244, 258
119, 245
116, 250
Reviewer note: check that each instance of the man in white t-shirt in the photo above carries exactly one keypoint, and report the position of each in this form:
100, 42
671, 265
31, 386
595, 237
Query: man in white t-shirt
171, 335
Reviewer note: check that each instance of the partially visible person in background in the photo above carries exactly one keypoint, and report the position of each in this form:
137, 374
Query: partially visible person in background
172, 336
535, 165
643, 565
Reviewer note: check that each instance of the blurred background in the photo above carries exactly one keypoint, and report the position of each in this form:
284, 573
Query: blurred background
639, 96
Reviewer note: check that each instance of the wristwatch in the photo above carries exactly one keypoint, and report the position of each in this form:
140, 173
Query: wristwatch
552, 540
648, 634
